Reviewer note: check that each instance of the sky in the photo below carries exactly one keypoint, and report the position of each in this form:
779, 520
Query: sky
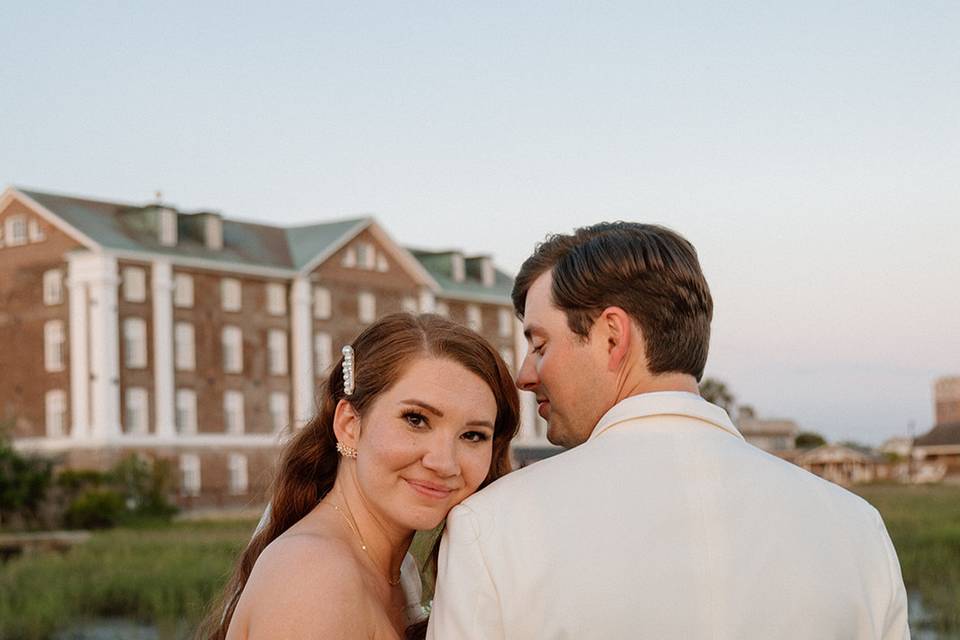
810, 151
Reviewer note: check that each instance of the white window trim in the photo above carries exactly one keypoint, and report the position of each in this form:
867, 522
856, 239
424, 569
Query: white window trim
350, 257
505, 323
277, 352
232, 341
191, 481
135, 343
442, 309
233, 405
54, 341
382, 265
322, 352
239, 478
35, 231
183, 290
138, 398
184, 347
55, 413
409, 304
279, 410
322, 303
16, 230
276, 299
366, 307
134, 284
53, 287
474, 317
186, 404
231, 294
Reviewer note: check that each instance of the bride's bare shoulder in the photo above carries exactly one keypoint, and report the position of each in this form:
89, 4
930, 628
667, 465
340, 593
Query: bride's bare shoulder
303, 586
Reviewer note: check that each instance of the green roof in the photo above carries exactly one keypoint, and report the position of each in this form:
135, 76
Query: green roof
437, 264
108, 224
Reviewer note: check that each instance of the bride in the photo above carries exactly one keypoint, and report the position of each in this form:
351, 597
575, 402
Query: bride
416, 416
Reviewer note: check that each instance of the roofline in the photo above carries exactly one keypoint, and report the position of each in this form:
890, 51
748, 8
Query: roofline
12, 193
938, 448
478, 297
203, 263
401, 255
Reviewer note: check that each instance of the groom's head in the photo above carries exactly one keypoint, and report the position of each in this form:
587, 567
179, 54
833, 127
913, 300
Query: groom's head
613, 310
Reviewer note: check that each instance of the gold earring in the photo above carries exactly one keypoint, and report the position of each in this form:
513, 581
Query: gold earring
346, 450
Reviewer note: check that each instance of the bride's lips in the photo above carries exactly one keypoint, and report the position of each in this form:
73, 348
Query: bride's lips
429, 489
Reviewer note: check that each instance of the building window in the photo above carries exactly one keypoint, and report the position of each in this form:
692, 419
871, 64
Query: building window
474, 317
276, 299
184, 353
504, 323
277, 351
134, 284
36, 232
366, 306
137, 411
458, 267
279, 410
366, 255
382, 264
15, 231
233, 412
323, 352
168, 228
237, 465
55, 404
322, 307
232, 339
135, 343
183, 290
441, 309
230, 294
186, 417
54, 343
409, 304
507, 355
53, 287
350, 257
190, 474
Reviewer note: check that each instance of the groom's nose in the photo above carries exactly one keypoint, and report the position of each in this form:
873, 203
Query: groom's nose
527, 379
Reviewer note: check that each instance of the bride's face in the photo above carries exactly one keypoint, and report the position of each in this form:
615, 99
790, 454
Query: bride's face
426, 443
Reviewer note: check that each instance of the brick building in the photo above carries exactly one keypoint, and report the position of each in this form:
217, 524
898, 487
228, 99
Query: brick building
200, 339
941, 445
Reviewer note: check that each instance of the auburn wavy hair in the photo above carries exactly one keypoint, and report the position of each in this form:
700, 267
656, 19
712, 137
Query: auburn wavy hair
309, 461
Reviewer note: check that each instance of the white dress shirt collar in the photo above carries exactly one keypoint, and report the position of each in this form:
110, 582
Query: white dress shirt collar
677, 403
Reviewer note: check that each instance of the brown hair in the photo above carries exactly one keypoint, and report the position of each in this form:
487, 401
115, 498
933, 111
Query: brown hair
649, 271
309, 462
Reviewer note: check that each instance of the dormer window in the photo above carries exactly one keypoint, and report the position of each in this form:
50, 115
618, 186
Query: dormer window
458, 269
168, 228
213, 232
15, 231
350, 257
488, 275
36, 232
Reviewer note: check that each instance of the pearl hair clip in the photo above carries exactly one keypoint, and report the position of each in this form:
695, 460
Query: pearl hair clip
347, 352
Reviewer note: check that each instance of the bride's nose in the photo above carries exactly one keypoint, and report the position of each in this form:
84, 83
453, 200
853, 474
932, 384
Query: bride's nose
441, 457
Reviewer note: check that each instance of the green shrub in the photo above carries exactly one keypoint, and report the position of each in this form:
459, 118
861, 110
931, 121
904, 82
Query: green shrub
95, 509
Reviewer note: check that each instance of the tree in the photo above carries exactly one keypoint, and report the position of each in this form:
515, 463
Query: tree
716, 391
810, 440
24, 482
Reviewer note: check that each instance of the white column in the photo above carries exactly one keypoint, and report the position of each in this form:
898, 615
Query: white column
301, 328
79, 355
428, 303
163, 348
104, 348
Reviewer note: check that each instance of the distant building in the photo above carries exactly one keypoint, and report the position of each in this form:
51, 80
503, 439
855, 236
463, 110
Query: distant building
946, 400
899, 447
941, 445
769, 434
842, 465
201, 339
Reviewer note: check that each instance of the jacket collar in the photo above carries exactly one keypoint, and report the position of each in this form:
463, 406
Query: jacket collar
660, 403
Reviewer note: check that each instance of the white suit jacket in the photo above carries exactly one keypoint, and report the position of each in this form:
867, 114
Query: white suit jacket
667, 524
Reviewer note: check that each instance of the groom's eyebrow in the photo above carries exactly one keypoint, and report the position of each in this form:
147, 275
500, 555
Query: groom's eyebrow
531, 329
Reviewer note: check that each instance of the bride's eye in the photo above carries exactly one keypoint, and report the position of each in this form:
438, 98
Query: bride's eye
415, 419
476, 436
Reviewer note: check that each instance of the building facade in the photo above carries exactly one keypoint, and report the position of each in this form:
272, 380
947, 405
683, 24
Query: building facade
199, 339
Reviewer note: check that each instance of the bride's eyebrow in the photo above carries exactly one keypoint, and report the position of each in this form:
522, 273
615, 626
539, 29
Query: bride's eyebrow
439, 414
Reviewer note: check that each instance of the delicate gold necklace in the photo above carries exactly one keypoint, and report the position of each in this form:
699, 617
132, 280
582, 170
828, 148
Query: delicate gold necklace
363, 545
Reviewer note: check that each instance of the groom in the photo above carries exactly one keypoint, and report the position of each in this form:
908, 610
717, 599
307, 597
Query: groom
661, 521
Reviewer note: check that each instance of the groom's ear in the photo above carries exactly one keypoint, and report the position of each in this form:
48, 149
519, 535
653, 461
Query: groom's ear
617, 328
346, 424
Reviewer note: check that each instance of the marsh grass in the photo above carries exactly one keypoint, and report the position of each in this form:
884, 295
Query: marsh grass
165, 575
924, 524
